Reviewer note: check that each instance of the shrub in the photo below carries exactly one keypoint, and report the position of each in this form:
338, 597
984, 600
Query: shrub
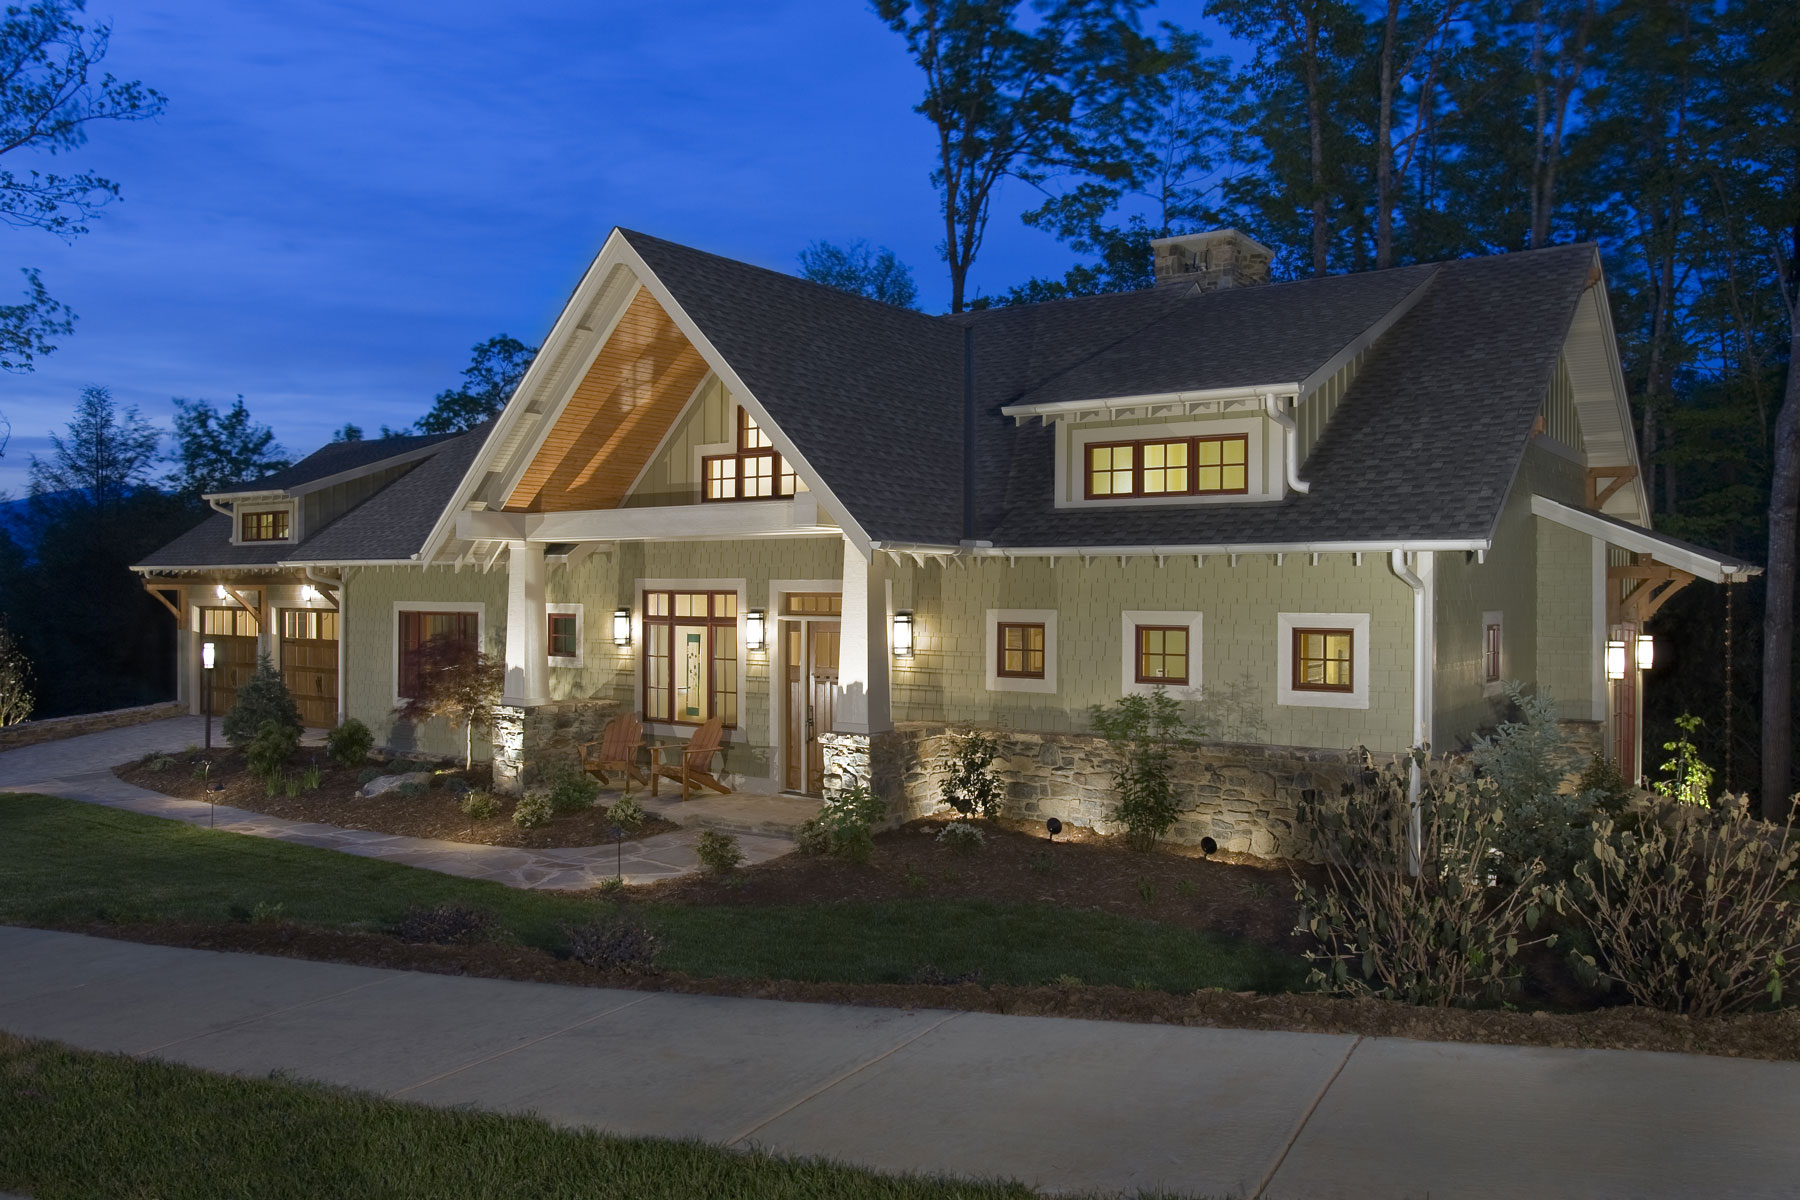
459, 681
349, 744
160, 763
614, 943
1685, 777
410, 789
962, 837
479, 806
627, 814
1144, 732
845, 826
1690, 913
1446, 935
572, 789
270, 749
1603, 780
368, 774
292, 785
262, 698
1522, 767
446, 925
718, 852
972, 788
533, 809
311, 778
16, 700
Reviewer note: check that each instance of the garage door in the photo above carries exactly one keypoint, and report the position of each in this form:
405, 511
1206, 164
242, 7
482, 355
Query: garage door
309, 664
233, 634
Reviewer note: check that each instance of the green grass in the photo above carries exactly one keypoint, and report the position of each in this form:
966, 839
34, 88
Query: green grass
63, 862
84, 1124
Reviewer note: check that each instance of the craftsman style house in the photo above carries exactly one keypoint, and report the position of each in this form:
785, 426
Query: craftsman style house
1331, 513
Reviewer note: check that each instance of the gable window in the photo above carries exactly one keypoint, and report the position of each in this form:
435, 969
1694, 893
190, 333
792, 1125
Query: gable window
1323, 660
564, 641
690, 657
1190, 466
418, 628
270, 525
754, 472
1162, 654
1021, 650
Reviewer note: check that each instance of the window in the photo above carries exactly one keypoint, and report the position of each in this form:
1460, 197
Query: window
690, 657
1193, 466
813, 604
564, 638
754, 472
418, 628
1021, 650
1323, 660
227, 622
308, 625
270, 525
1491, 653
1162, 654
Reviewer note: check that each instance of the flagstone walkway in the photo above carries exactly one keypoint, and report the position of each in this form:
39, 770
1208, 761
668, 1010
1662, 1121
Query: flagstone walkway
80, 768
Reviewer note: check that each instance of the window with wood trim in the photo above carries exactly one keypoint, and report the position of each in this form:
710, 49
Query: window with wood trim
1490, 653
690, 655
269, 525
1190, 466
227, 622
1162, 654
563, 635
1020, 651
308, 625
1322, 659
812, 604
754, 472
418, 628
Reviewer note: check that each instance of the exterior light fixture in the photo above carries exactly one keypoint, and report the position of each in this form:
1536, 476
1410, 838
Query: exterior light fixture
621, 627
209, 655
308, 593
1615, 660
223, 594
903, 633
755, 630
209, 652
1646, 652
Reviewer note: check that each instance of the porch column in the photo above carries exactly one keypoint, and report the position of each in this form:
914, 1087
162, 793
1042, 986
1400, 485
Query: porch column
526, 655
862, 699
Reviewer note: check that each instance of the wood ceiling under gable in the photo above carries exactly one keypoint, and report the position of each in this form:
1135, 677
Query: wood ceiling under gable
637, 387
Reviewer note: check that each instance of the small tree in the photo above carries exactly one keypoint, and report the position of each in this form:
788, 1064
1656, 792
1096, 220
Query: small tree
15, 680
972, 788
459, 681
263, 698
1145, 732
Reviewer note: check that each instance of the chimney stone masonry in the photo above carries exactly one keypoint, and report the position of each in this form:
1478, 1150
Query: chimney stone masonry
1211, 261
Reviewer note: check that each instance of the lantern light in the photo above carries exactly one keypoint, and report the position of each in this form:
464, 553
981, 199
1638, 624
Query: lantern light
308, 593
208, 654
903, 633
1646, 652
1615, 660
621, 627
755, 630
223, 594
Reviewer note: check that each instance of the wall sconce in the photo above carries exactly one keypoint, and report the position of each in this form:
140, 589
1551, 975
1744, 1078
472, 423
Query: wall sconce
222, 593
621, 627
1615, 660
1646, 652
903, 633
755, 630
209, 654
308, 593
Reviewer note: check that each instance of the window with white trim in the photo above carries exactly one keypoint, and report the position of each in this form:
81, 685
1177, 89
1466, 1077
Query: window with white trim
1159, 649
1021, 650
1322, 660
1493, 656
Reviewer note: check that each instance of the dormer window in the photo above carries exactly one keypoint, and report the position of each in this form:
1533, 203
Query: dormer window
1189, 466
269, 525
754, 472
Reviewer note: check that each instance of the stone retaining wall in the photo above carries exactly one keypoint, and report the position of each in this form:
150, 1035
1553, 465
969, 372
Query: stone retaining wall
30, 733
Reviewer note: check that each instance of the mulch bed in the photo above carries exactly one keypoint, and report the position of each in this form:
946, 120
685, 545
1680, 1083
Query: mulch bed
432, 815
1772, 1035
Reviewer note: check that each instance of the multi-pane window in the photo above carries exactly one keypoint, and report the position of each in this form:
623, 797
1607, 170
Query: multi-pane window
1162, 654
1194, 466
564, 637
227, 622
1021, 650
813, 604
419, 628
270, 525
690, 657
1490, 653
1322, 660
308, 625
755, 472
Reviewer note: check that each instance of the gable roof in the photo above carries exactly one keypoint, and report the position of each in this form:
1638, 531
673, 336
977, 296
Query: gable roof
335, 458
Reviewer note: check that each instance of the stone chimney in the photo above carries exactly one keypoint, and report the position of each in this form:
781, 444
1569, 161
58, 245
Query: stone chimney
1212, 261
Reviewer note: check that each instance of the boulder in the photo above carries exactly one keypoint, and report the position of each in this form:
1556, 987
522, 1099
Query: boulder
387, 783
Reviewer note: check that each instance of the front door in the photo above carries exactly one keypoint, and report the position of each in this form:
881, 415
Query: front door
809, 655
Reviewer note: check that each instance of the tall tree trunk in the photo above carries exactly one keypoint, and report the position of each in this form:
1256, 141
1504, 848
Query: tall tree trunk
1384, 144
1315, 128
1778, 613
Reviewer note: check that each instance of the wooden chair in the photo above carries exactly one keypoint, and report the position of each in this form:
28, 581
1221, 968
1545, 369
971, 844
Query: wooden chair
692, 763
617, 750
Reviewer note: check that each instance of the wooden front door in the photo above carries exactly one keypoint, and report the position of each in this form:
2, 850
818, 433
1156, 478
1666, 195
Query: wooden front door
309, 664
809, 662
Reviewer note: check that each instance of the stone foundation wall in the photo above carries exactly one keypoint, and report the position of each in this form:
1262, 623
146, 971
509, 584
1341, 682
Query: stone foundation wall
30, 733
528, 742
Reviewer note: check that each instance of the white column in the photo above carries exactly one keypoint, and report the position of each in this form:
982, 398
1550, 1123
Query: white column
862, 699
526, 654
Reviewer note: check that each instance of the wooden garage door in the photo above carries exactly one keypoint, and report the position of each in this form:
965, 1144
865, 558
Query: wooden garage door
233, 634
309, 664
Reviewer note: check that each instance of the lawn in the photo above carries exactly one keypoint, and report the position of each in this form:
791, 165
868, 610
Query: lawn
64, 863
84, 1124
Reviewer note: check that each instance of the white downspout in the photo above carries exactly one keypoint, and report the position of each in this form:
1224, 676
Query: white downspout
1422, 699
1290, 442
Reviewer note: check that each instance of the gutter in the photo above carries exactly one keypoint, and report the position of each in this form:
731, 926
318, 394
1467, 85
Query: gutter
1290, 442
1422, 648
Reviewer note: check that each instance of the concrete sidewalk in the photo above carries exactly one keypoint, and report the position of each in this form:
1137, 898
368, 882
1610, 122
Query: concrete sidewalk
80, 768
1064, 1105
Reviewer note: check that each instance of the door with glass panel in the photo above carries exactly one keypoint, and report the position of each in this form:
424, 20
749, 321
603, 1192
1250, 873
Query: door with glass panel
809, 635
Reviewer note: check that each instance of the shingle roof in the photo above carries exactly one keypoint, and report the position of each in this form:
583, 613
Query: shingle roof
334, 458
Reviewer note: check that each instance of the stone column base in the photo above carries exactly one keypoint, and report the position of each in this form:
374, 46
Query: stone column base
528, 742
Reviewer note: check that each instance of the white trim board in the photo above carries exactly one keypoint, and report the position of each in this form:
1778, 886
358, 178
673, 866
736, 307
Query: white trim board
1129, 620
1357, 624
1037, 616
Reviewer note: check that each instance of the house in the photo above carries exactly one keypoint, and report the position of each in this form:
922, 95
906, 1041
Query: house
1331, 513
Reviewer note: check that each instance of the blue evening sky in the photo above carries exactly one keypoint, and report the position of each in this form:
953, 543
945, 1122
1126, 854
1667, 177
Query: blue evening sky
344, 197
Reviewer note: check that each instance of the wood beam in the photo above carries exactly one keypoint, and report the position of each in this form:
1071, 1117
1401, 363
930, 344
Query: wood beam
255, 613
157, 590
1620, 476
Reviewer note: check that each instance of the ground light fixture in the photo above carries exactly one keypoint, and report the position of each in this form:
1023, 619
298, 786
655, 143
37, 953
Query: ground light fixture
209, 657
1646, 652
903, 633
755, 630
621, 627
1615, 660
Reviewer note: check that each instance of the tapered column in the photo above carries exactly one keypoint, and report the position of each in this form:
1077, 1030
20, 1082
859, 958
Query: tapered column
526, 656
862, 699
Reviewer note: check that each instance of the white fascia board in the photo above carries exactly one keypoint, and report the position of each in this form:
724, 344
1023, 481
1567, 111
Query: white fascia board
248, 497
1615, 370
1065, 408
1372, 547
1643, 541
797, 516
1366, 338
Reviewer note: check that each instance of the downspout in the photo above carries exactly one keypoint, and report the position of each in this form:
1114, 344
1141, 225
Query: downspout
331, 589
1421, 705
1290, 442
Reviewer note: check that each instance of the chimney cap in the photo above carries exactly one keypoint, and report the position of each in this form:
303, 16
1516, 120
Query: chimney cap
1207, 235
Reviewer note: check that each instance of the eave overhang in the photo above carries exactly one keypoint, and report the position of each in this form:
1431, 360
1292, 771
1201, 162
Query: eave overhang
1698, 562
1205, 402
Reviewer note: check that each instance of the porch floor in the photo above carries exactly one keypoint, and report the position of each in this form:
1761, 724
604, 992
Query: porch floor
740, 812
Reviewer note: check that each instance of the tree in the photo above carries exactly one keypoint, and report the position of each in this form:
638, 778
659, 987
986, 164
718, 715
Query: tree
48, 98
1560, 33
213, 451
1415, 40
350, 432
104, 457
1778, 616
494, 370
1063, 95
460, 681
857, 269
263, 700
15, 680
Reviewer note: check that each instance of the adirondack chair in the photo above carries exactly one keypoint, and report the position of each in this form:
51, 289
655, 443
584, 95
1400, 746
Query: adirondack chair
617, 750
691, 763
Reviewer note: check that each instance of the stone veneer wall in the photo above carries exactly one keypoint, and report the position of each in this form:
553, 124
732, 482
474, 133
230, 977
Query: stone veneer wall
30, 733
530, 741
1243, 796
